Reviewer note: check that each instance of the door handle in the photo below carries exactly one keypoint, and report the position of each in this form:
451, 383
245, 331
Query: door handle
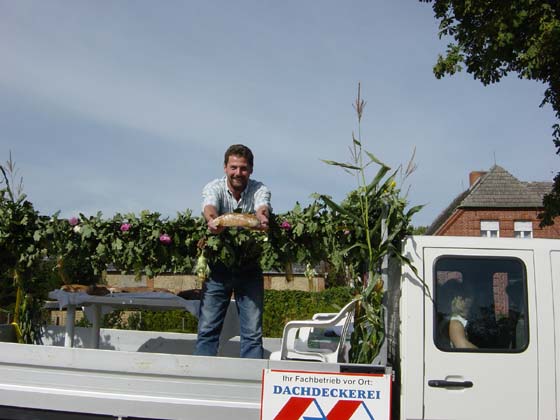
441, 383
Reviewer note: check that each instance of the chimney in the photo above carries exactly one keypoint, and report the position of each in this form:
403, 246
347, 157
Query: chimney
475, 176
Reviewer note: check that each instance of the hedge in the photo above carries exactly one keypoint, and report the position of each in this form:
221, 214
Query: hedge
280, 306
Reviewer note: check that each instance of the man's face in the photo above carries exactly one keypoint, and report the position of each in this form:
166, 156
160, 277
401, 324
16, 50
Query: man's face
237, 171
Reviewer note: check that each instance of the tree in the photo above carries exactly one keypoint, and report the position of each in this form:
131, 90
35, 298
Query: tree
496, 37
419, 230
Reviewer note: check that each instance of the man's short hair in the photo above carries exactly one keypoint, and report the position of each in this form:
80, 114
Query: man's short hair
240, 151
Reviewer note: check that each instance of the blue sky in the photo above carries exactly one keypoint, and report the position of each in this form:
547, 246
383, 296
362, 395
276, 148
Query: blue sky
130, 105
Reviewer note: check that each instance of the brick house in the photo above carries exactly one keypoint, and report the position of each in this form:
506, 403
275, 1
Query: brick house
496, 204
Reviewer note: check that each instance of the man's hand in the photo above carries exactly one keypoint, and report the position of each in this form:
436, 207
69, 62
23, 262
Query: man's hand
213, 228
210, 213
262, 215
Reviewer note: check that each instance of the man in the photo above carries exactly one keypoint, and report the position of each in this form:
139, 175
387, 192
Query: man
234, 192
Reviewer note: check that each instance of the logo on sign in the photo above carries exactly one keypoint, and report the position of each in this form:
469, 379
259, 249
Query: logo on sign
296, 407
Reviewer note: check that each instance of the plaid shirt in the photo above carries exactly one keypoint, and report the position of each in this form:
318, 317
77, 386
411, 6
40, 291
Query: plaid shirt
216, 193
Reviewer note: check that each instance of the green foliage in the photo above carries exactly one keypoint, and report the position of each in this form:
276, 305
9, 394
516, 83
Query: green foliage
79, 249
140, 248
73, 252
94, 238
419, 230
30, 319
493, 38
176, 321
280, 306
19, 223
551, 203
85, 247
235, 247
300, 235
20, 248
7, 292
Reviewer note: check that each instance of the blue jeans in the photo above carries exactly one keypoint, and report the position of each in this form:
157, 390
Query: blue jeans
248, 289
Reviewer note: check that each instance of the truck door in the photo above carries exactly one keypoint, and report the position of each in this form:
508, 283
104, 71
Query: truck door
480, 335
555, 260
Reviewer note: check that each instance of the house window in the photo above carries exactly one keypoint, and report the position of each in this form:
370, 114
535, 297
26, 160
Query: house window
490, 228
522, 229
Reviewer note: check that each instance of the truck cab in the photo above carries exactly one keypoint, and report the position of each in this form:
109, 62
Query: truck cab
511, 371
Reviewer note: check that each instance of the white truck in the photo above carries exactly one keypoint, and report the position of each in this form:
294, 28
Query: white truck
512, 374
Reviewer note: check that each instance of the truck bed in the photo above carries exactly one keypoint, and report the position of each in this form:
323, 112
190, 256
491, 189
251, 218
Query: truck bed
136, 374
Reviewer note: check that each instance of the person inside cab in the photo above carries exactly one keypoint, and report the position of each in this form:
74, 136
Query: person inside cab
460, 309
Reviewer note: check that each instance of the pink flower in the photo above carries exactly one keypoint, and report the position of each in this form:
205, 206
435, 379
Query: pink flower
165, 239
125, 227
346, 232
285, 225
73, 221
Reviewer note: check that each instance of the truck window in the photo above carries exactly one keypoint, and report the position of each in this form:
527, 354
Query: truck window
480, 304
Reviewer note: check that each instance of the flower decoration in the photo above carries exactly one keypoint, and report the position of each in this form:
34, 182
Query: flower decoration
285, 225
125, 227
73, 221
165, 239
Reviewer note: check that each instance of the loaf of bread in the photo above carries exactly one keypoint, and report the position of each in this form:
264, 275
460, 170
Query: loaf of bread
92, 289
237, 220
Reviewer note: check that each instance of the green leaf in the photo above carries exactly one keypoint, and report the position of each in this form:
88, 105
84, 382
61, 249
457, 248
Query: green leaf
414, 210
385, 184
86, 231
343, 165
356, 141
378, 177
357, 245
118, 244
340, 209
374, 159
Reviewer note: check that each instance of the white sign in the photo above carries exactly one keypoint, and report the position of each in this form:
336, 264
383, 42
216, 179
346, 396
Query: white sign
294, 395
